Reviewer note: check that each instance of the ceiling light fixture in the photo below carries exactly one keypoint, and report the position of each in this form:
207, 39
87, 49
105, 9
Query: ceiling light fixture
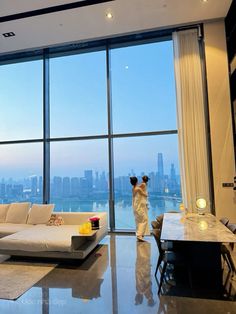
204, 1
109, 15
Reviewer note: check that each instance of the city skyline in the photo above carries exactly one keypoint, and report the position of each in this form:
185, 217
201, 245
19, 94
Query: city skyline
92, 182
70, 158
131, 172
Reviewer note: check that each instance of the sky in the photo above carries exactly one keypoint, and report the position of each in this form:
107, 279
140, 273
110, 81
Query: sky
143, 99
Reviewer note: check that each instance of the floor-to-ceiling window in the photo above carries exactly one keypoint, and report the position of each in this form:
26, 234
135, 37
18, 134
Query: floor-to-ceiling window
78, 97
21, 165
112, 114
79, 175
155, 156
144, 122
78, 109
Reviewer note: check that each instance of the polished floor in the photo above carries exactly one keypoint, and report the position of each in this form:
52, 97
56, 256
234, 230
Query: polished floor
118, 277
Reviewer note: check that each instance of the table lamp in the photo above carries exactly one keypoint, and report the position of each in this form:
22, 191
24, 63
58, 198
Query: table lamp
201, 205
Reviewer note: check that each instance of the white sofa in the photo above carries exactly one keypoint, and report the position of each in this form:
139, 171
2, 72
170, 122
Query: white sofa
25, 237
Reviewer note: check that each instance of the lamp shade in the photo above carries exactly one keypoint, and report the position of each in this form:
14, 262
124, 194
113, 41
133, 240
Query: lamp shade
201, 205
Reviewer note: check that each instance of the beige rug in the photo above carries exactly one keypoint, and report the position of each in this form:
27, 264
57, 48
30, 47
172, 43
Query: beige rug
16, 277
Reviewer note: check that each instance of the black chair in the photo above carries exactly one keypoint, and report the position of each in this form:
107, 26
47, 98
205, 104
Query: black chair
165, 255
224, 221
232, 228
227, 249
157, 224
225, 252
162, 246
157, 234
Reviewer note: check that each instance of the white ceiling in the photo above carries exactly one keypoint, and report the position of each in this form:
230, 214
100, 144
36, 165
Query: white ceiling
87, 23
8, 7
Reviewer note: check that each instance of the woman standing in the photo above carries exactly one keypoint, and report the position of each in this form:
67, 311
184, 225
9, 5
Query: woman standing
139, 203
143, 186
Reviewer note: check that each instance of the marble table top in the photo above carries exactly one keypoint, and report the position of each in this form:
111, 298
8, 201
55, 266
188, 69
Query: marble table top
195, 227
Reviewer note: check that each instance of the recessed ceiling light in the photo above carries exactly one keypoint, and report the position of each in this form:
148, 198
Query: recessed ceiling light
9, 34
204, 0
109, 15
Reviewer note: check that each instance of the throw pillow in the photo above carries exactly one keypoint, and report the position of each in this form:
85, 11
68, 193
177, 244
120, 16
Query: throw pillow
17, 213
40, 213
55, 220
3, 211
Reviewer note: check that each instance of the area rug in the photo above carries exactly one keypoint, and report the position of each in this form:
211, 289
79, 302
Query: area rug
16, 276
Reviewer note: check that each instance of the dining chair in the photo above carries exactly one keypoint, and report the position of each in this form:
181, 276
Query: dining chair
232, 228
226, 253
165, 255
224, 221
157, 224
226, 250
157, 235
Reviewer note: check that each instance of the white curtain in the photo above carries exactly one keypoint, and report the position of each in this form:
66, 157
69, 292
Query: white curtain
191, 118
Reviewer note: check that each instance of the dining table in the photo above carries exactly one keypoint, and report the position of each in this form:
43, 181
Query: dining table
198, 238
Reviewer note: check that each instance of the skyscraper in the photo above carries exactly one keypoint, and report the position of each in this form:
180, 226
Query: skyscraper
103, 182
40, 185
173, 186
75, 188
160, 174
88, 174
57, 186
66, 186
34, 185
96, 181
2, 190
172, 172
160, 166
17, 190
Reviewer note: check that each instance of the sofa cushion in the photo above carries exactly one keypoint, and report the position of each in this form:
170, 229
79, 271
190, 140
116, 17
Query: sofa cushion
3, 211
17, 213
9, 228
40, 213
41, 238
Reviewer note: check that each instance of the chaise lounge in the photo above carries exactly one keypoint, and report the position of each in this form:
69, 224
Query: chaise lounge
24, 232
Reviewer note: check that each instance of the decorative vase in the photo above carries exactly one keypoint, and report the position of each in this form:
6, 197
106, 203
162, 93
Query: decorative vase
94, 222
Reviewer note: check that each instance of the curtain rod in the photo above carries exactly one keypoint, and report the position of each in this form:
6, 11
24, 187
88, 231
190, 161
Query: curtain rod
196, 26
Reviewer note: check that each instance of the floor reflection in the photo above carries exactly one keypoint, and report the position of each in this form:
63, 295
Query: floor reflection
83, 279
143, 274
116, 278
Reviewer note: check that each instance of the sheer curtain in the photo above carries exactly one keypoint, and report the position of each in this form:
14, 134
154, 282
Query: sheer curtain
191, 118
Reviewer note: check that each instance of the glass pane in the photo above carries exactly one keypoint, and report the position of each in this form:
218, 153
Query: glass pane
78, 95
143, 88
21, 94
155, 156
79, 175
21, 171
